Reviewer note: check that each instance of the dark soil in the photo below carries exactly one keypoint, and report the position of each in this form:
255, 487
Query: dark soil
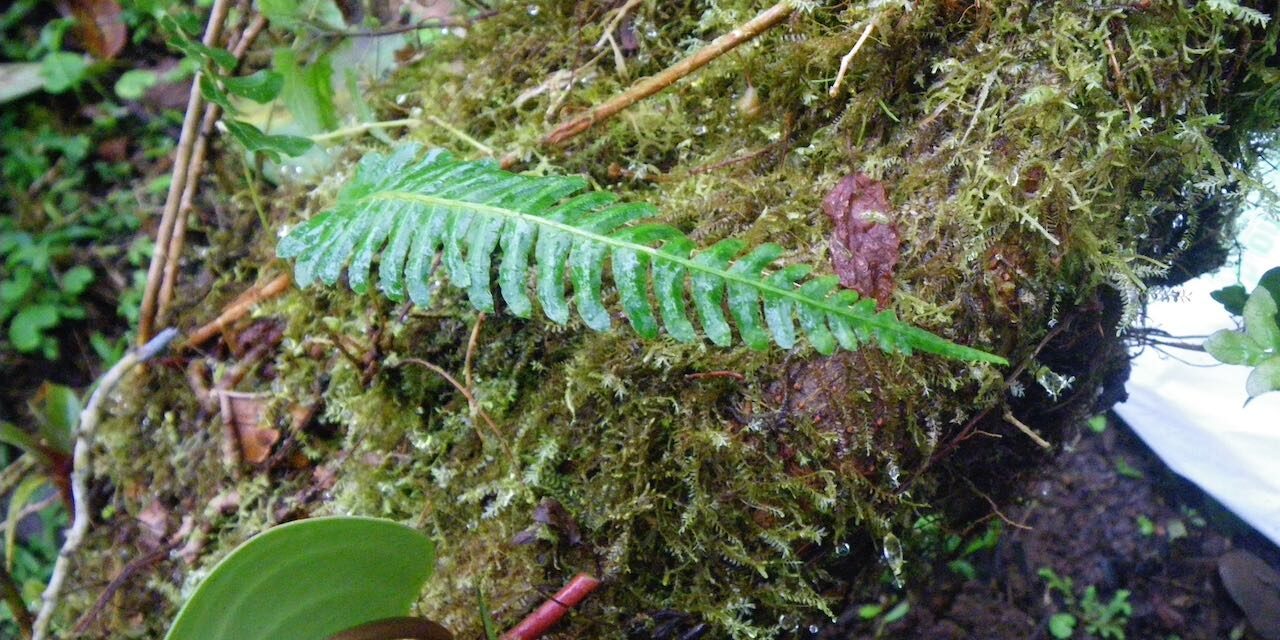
1106, 513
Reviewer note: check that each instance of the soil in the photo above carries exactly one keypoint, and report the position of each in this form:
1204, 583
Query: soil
1106, 513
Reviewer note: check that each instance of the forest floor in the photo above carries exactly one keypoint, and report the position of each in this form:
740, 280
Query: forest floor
1106, 515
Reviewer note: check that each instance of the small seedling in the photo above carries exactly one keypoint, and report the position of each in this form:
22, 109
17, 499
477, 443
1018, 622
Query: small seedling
1099, 619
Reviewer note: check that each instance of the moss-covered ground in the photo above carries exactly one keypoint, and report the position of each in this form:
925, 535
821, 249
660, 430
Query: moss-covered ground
1045, 162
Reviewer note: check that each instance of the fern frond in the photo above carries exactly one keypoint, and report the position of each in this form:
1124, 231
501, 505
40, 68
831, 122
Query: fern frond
411, 212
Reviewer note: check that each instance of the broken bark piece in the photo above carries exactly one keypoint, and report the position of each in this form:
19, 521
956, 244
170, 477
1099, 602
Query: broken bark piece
864, 245
242, 415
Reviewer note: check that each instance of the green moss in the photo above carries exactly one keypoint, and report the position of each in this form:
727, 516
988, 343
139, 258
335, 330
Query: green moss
1026, 175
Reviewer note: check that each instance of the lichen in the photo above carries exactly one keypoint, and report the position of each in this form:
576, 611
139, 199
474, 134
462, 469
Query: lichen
1036, 156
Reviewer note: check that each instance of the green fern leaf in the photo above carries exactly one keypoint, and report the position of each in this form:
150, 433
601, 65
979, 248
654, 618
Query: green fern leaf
417, 213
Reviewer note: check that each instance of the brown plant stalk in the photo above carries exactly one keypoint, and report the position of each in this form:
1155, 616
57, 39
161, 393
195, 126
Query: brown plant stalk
653, 84
181, 162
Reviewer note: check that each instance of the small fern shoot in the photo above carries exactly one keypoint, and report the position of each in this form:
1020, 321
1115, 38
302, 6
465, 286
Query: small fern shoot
412, 211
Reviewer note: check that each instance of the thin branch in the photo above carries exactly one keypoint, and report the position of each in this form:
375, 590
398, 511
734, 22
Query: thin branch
848, 57
181, 163
327, 31
462, 135
536, 624
239, 309
996, 509
643, 89
363, 127
194, 168
80, 474
471, 350
1035, 437
133, 568
472, 404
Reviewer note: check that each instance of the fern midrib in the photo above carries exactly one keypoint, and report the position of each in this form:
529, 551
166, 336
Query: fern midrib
656, 254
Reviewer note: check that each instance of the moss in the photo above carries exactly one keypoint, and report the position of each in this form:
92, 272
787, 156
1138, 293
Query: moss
1038, 156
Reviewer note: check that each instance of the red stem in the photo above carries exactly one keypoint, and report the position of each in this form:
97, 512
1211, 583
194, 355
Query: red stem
551, 611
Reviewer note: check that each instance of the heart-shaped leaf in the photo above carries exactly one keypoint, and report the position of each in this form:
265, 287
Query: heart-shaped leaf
308, 580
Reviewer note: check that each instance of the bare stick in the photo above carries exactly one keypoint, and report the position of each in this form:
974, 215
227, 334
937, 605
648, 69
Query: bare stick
80, 474
471, 401
239, 309
182, 160
643, 89
848, 57
194, 168
133, 568
1035, 437
546, 616
471, 350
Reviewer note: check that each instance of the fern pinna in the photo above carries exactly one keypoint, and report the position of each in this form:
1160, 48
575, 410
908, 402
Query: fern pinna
409, 210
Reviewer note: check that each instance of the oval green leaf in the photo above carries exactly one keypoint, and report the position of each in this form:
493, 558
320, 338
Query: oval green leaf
309, 579
1264, 379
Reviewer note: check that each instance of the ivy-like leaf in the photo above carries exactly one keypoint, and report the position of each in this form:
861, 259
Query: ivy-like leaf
439, 210
262, 86
255, 140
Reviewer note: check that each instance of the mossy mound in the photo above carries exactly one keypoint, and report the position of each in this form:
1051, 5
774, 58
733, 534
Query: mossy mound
1044, 162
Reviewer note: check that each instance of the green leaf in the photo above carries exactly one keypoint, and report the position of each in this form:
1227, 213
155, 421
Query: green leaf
133, 84
307, 580
417, 213
255, 140
210, 91
206, 56
1233, 347
76, 280
262, 86
1231, 298
308, 91
486, 616
897, 613
63, 70
1264, 378
26, 329
19, 499
59, 415
1062, 625
1260, 319
10, 434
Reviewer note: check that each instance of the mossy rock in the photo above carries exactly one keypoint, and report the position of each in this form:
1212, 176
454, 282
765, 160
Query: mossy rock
1044, 162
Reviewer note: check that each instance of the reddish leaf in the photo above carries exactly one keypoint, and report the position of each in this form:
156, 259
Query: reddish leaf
864, 246
99, 26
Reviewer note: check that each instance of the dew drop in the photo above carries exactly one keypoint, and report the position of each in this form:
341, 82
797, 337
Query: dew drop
533, 9
813, 629
402, 98
701, 130
842, 550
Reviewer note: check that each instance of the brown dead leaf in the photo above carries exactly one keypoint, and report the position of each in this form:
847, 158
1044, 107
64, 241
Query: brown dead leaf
99, 26
243, 412
864, 246
153, 522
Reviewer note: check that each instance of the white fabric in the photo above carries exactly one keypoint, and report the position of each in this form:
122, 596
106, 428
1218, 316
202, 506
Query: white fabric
1194, 417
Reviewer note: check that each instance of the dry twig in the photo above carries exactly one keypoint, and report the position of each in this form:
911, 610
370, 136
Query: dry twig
194, 168
181, 163
643, 89
239, 309
848, 57
1035, 437
80, 474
